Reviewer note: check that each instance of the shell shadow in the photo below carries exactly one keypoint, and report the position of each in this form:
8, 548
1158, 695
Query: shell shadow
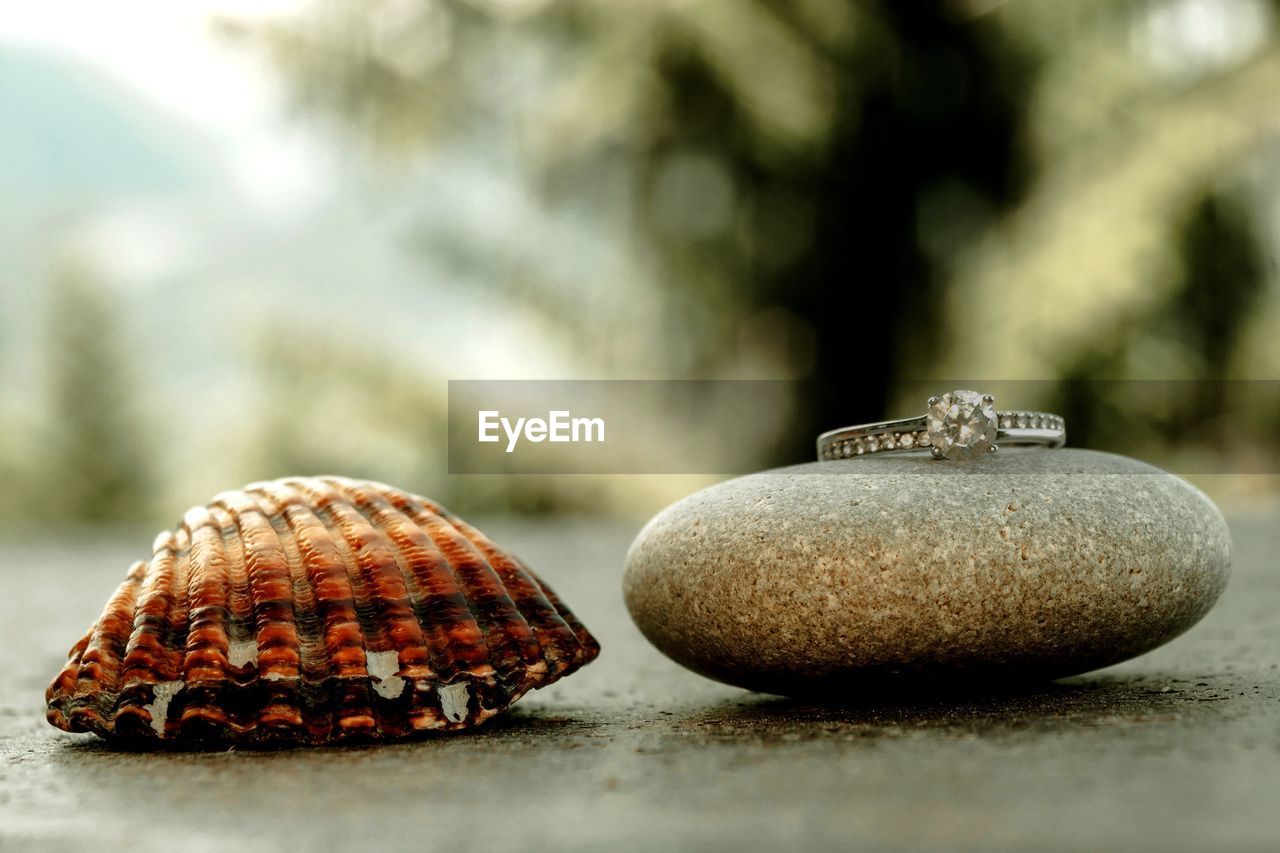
517, 724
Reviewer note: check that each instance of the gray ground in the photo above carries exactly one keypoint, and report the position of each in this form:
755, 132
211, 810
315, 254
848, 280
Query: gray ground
1179, 749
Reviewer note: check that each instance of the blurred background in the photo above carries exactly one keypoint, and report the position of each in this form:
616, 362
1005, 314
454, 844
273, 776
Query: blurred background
247, 239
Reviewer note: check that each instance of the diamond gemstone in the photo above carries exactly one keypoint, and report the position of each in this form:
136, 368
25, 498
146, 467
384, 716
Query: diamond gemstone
962, 425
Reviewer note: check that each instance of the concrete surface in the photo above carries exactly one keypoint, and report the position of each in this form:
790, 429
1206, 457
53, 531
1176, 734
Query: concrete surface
1177, 750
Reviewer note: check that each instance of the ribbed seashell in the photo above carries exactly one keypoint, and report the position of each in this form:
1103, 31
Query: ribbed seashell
316, 610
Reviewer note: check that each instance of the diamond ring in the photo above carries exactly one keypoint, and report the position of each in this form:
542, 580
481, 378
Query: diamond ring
958, 425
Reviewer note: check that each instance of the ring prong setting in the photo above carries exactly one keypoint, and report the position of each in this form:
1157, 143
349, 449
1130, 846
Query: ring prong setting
962, 424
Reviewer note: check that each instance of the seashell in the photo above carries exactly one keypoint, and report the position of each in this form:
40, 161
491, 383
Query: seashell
311, 611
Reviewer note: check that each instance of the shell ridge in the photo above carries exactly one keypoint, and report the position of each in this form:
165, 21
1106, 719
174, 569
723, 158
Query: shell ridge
146, 712
151, 657
103, 660
141, 656
58, 694
179, 621
506, 629
476, 542
398, 650
427, 708
455, 639
373, 551
176, 620
345, 691
588, 647
240, 604
369, 606
559, 641
485, 594
440, 606
379, 520
231, 692
267, 600
97, 678
206, 667
86, 687
277, 657
309, 622
372, 635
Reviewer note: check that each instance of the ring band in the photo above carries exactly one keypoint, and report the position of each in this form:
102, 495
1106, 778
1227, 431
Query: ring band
957, 425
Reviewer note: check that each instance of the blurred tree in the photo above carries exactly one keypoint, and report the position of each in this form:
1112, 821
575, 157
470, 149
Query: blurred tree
795, 167
843, 234
846, 191
1223, 280
97, 468
1141, 111
1138, 254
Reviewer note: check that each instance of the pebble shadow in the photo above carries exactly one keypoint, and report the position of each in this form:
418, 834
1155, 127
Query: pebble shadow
1070, 704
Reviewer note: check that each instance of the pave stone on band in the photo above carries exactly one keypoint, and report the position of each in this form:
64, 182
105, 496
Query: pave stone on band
958, 425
